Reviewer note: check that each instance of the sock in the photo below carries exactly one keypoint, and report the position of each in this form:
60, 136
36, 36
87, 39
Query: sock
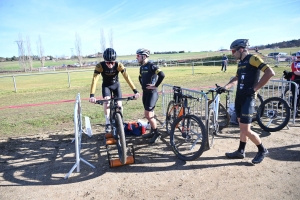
107, 119
261, 147
242, 146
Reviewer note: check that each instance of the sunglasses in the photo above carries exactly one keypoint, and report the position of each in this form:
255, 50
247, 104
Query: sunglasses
234, 50
110, 63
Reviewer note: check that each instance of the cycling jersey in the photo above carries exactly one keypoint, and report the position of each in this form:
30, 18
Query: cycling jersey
150, 74
248, 72
110, 76
295, 68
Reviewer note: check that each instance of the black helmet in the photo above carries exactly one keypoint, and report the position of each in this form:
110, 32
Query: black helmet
109, 55
239, 43
143, 51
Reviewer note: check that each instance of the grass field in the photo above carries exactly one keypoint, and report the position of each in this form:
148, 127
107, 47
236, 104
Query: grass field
39, 89
192, 55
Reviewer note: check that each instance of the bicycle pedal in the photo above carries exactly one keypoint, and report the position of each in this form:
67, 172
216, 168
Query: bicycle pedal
117, 162
110, 141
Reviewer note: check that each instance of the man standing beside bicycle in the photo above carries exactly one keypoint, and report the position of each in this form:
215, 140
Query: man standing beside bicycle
150, 78
248, 83
294, 76
109, 69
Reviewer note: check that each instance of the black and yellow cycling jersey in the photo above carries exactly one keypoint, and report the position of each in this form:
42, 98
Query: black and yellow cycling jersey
109, 76
248, 72
150, 74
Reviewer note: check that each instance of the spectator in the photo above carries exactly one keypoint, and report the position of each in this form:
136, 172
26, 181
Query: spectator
224, 63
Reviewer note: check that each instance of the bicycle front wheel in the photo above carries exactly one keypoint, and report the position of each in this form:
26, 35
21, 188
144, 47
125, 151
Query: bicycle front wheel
171, 115
223, 118
273, 114
211, 127
121, 142
188, 137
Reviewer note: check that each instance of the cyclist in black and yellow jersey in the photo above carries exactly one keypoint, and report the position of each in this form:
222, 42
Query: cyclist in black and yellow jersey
150, 78
248, 83
109, 69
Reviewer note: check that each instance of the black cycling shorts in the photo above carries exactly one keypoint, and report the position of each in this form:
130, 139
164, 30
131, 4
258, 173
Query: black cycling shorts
244, 108
114, 89
149, 100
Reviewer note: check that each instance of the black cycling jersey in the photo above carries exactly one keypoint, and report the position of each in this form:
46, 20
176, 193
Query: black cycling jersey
150, 74
248, 72
110, 76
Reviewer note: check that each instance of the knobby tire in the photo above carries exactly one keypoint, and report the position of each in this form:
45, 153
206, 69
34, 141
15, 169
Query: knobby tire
182, 140
121, 142
224, 116
273, 114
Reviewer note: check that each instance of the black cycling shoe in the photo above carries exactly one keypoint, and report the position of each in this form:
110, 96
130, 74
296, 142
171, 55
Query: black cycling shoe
149, 135
107, 128
235, 155
155, 137
260, 156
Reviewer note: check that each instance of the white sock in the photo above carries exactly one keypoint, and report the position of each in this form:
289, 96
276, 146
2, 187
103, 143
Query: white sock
107, 119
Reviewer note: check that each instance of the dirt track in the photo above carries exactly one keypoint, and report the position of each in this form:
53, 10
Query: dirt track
34, 167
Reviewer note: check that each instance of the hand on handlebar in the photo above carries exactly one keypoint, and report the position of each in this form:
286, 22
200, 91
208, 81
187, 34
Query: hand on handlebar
220, 90
136, 95
92, 100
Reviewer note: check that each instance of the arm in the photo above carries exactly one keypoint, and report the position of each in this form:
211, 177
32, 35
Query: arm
268, 74
231, 83
97, 71
126, 76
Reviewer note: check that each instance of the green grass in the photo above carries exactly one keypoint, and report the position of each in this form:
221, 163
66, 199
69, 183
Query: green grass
54, 88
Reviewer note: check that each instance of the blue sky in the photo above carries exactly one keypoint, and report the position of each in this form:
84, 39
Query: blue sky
159, 25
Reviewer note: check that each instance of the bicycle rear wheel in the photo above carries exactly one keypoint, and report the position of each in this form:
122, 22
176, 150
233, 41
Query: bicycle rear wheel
188, 137
273, 114
121, 142
171, 115
224, 116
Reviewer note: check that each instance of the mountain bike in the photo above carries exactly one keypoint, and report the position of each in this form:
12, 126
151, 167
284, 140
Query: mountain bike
116, 121
188, 136
218, 117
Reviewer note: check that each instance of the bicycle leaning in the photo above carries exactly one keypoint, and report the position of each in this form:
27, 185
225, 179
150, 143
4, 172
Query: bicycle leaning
218, 116
116, 121
188, 135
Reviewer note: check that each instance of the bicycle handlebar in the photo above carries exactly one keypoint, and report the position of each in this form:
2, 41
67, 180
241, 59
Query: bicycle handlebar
115, 99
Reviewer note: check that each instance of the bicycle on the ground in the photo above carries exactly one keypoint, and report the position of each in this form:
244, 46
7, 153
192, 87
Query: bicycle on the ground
116, 121
188, 136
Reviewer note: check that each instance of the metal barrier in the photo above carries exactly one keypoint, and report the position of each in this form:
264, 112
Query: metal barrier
278, 88
78, 134
198, 108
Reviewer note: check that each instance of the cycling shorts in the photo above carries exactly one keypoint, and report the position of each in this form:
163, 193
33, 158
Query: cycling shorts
149, 100
113, 89
244, 108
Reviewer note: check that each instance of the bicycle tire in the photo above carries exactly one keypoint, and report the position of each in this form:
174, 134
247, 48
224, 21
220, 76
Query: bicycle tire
271, 116
188, 145
224, 116
211, 128
258, 102
121, 142
171, 115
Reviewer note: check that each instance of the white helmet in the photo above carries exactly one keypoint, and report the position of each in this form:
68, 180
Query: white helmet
298, 54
